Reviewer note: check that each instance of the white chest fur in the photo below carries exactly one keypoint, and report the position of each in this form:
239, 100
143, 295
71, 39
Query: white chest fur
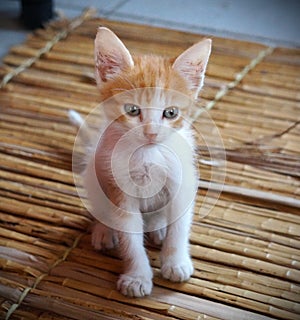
150, 173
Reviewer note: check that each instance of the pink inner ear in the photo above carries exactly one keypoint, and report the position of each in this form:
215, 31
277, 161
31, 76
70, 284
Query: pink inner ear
107, 65
111, 55
193, 72
191, 64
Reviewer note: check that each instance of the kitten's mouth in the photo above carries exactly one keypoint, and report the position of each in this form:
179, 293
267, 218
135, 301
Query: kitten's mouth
151, 142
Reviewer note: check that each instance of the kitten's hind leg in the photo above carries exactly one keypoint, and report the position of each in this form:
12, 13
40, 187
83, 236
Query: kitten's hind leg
104, 237
158, 236
156, 227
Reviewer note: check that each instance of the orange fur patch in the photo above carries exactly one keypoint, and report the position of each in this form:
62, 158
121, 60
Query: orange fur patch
148, 71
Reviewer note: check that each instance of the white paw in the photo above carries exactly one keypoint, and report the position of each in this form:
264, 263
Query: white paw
103, 237
177, 272
134, 286
158, 236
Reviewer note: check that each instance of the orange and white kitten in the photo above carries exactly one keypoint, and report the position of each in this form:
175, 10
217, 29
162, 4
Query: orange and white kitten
141, 176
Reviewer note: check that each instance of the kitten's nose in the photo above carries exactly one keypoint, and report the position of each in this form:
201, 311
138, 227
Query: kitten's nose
151, 136
150, 131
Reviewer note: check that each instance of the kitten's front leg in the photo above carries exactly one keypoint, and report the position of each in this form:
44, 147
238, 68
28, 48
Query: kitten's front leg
104, 237
137, 278
176, 263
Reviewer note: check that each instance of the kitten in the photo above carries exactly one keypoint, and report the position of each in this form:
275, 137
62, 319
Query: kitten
140, 175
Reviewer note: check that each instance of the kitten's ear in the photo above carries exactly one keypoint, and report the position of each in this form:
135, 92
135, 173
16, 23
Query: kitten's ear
191, 65
111, 55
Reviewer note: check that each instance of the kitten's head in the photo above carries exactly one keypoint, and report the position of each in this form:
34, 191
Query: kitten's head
149, 92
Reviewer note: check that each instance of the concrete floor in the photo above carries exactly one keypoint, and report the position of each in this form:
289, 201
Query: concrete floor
272, 22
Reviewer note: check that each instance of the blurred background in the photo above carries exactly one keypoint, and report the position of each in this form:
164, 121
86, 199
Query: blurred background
272, 22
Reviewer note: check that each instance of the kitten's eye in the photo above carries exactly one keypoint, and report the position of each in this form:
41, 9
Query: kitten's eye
170, 113
132, 109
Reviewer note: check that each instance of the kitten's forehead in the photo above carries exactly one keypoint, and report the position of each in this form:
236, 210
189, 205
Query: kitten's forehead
154, 98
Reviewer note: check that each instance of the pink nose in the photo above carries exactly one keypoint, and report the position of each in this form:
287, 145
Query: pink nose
151, 136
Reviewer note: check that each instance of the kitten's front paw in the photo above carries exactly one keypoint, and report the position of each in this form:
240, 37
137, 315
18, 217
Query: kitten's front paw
177, 272
104, 237
134, 286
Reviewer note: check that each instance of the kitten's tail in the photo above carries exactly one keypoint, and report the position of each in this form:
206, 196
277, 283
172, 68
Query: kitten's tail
84, 131
75, 118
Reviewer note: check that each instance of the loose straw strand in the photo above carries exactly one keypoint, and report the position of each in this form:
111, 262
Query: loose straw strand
87, 14
27, 290
238, 78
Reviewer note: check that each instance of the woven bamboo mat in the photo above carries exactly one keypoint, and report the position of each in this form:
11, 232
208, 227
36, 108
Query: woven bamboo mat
245, 251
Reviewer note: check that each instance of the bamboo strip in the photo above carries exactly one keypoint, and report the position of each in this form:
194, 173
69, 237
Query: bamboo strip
249, 177
83, 60
49, 215
38, 148
47, 184
248, 263
248, 118
238, 243
256, 222
263, 245
49, 65
289, 201
266, 213
32, 77
22, 105
277, 92
241, 100
278, 68
19, 267
75, 44
50, 204
51, 102
36, 169
247, 251
224, 214
23, 152
254, 286
35, 233
216, 222
285, 81
80, 99
40, 240
267, 158
13, 252
246, 279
